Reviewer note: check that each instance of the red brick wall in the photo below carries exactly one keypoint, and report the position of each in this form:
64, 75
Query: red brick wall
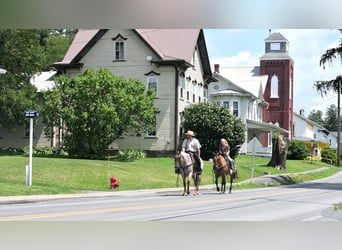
280, 109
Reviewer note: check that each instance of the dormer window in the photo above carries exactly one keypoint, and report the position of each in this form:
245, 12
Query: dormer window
119, 48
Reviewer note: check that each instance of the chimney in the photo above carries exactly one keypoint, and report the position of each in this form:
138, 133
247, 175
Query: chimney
217, 68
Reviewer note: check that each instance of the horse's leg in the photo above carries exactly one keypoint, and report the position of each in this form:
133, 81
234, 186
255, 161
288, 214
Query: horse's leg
197, 182
188, 186
231, 183
216, 182
184, 186
223, 189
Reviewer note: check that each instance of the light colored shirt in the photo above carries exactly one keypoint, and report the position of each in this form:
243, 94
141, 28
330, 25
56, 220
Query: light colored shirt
191, 145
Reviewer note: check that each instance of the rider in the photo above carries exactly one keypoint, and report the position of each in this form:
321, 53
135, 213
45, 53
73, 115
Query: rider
225, 151
192, 145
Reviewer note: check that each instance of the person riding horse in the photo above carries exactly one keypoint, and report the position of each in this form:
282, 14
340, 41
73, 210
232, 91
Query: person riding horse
192, 146
224, 149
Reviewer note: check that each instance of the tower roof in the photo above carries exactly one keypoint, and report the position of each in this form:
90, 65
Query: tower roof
276, 37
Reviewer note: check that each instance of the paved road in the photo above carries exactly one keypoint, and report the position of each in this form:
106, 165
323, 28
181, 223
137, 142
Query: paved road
311, 201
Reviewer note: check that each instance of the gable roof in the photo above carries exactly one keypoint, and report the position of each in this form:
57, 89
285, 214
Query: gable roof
276, 37
169, 44
248, 79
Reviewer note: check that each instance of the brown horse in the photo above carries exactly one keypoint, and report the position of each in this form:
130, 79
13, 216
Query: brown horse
221, 169
186, 167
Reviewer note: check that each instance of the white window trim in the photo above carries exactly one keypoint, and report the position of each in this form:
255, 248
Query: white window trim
156, 81
238, 107
274, 87
124, 50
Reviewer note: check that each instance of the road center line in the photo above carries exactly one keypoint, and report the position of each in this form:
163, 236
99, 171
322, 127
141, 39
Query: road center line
151, 206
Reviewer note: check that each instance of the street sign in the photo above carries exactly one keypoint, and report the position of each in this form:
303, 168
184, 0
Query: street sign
31, 114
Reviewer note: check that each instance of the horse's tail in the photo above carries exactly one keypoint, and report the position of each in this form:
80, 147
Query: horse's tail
235, 174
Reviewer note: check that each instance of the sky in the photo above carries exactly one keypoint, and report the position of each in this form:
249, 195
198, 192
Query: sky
244, 47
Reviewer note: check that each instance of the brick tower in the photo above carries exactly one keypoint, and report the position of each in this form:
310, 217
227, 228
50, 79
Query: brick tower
278, 65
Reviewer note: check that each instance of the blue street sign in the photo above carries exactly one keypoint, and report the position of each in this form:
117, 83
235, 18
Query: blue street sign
31, 114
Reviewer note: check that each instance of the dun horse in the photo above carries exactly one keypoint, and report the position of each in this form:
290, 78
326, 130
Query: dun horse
221, 169
187, 169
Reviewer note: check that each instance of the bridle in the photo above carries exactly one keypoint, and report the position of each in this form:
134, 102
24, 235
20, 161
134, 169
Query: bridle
179, 159
216, 164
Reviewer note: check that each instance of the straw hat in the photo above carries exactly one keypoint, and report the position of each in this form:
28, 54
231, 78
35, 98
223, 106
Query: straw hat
191, 133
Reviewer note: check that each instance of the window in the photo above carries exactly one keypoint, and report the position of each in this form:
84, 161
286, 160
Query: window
119, 48
226, 104
193, 91
274, 87
152, 82
119, 51
235, 108
152, 131
182, 86
269, 141
275, 46
290, 89
27, 131
204, 94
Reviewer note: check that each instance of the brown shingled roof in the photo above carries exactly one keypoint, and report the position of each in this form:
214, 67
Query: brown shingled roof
169, 44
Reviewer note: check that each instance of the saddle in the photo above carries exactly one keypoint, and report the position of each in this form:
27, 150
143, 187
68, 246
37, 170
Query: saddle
197, 167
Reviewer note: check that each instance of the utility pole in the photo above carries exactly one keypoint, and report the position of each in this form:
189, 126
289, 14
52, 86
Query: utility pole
338, 125
339, 119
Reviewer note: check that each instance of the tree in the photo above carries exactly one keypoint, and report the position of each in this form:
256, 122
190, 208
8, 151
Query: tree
325, 86
22, 56
211, 122
330, 121
279, 151
316, 116
55, 43
95, 108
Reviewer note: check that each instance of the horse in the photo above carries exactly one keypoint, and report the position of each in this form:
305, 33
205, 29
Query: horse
186, 167
221, 169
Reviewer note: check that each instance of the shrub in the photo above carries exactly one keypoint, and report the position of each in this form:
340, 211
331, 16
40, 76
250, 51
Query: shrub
130, 154
329, 155
297, 150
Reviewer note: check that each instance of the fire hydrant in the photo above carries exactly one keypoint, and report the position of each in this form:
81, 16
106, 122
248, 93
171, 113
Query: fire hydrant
114, 182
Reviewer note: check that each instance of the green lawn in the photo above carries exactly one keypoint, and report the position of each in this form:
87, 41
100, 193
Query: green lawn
60, 175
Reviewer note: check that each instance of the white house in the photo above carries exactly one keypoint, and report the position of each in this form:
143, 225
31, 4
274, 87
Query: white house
241, 91
312, 134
